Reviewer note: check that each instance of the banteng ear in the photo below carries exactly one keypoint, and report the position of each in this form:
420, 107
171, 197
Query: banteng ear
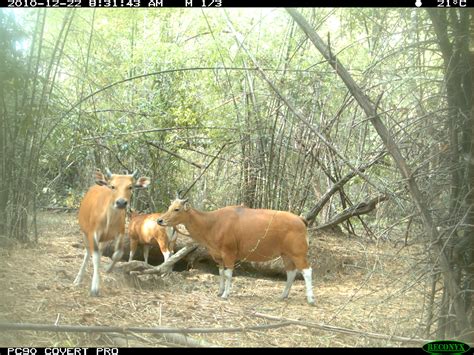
142, 183
186, 206
100, 178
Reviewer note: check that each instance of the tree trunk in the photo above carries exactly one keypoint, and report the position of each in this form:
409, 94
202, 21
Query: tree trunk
454, 290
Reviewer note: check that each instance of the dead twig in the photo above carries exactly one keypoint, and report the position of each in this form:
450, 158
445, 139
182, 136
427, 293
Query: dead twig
332, 328
356, 210
125, 330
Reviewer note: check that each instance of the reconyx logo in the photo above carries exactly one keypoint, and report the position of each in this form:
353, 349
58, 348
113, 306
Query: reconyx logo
446, 347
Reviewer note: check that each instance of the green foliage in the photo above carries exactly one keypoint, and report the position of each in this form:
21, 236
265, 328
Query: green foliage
271, 160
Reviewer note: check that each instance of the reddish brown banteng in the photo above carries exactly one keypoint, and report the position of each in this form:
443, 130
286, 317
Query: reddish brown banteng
239, 233
143, 230
102, 218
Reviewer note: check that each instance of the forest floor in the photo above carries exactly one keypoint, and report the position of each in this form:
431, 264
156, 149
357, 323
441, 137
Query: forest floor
368, 287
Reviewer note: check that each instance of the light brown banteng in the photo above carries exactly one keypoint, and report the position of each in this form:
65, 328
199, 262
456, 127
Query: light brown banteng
238, 233
102, 218
143, 230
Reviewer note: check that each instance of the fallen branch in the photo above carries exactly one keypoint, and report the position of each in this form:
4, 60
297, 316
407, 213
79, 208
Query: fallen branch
186, 340
356, 210
311, 215
157, 330
122, 340
332, 328
168, 265
135, 267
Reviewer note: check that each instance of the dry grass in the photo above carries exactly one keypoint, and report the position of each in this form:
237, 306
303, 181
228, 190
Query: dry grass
367, 287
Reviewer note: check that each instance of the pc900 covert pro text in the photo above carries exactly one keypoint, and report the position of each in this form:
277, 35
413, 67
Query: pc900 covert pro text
62, 351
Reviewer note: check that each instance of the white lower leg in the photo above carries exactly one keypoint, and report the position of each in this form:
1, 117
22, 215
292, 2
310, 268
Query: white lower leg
118, 253
132, 253
80, 274
290, 277
95, 276
166, 255
309, 285
146, 252
228, 282
221, 282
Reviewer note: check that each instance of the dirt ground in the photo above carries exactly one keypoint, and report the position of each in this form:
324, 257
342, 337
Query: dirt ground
367, 287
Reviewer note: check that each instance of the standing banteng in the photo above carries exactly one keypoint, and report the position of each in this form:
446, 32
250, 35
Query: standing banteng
238, 233
143, 230
102, 218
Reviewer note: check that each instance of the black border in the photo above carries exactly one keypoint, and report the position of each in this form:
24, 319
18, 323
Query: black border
154, 351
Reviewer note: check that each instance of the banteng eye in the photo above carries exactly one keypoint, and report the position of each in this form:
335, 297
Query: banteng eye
112, 187
176, 209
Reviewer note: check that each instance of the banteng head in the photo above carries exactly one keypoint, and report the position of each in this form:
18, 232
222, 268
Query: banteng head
176, 213
121, 186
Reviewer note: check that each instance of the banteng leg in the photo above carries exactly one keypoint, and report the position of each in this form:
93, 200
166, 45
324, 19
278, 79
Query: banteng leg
229, 261
309, 285
133, 249
221, 281
118, 253
96, 263
80, 274
228, 282
220, 264
290, 276
164, 247
146, 252
299, 258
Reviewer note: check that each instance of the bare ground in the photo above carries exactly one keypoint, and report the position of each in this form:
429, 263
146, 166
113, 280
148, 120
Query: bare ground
368, 287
